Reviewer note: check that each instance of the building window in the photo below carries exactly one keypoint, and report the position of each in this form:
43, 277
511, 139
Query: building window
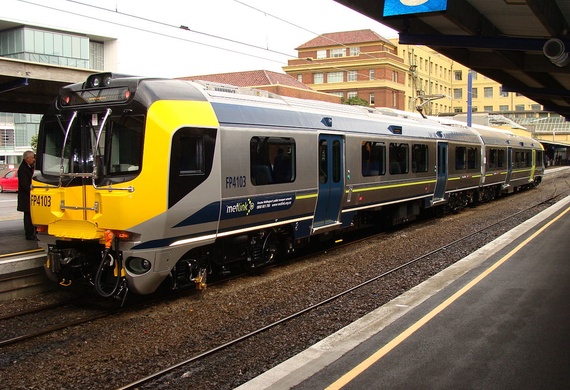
355, 51
351, 75
335, 77
64, 49
321, 54
503, 107
371, 99
351, 94
488, 108
488, 91
536, 107
371, 74
457, 109
458, 75
337, 93
395, 76
335, 53
318, 78
300, 78
519, 107
503, 93
474, 93
457, 93
96, 56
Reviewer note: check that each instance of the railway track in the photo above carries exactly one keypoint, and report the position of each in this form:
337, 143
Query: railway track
70, 315
153, 380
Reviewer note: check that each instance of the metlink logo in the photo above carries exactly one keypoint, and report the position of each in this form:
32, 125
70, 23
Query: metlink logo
241, 207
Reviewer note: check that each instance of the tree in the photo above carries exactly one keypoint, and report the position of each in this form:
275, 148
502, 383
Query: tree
34, 142
355, 101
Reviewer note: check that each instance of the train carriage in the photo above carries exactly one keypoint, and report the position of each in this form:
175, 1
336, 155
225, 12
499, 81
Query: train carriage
143, 181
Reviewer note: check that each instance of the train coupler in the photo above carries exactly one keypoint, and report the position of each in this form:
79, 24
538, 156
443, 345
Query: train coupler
65, 283
200, 279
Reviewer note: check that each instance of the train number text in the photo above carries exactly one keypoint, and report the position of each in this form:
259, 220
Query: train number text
235, 181
40, 200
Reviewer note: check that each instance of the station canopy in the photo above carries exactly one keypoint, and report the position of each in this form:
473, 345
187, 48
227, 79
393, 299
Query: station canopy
521, 44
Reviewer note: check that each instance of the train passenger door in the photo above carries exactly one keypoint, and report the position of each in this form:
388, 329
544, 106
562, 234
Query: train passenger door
441, 171
509, 167
533, 166
331, 181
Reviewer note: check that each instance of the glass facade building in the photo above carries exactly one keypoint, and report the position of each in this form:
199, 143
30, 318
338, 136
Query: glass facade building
47, 47
50, 47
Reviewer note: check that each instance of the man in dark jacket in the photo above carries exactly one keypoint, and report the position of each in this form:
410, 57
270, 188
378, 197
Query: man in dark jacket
25, 173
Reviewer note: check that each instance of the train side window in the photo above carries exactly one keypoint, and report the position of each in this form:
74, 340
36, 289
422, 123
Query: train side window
272, 160
373, 158
492, 158
519, 158
472, 158
419, 158
460, 157
501, 158
399, 157
528, 159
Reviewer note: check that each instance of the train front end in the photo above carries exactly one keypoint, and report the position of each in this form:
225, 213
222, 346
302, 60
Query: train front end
101, 176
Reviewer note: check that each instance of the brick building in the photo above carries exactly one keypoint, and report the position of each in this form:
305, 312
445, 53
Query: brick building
353, 64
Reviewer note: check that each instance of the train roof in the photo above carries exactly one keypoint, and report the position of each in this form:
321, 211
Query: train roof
249, 107
239, 106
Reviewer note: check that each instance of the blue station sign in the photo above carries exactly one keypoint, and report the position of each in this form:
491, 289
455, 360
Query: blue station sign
406, 7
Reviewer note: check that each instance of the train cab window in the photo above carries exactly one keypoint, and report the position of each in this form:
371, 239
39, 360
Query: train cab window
399, 157
419, 158
192, 159
272, 160
460, 158
373, 158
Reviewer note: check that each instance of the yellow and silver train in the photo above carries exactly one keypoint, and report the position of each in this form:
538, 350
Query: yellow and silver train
145, 181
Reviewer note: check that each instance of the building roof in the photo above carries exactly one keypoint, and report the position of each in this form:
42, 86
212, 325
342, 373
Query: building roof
344, 38
252, 78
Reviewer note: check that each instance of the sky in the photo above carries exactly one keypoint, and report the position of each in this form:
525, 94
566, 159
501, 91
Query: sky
176, 38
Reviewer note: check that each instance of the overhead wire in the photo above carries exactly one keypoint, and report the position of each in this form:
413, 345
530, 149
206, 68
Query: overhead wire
184, 27
164, 34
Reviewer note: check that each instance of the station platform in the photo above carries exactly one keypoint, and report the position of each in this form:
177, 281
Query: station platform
497, 319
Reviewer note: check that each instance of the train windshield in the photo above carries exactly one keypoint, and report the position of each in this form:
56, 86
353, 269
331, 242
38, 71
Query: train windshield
98, 145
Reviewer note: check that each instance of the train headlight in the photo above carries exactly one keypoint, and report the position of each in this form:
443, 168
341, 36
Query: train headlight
95, 82
138, 265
